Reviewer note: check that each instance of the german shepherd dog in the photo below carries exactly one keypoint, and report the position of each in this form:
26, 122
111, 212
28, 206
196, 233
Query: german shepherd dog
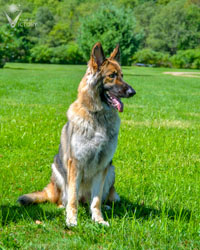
83, 170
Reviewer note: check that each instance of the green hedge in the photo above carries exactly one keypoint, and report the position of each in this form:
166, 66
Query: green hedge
150, 57
64, 54
183, 59
186, 59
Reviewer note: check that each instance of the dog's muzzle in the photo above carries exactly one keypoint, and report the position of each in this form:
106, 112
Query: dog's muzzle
130, 92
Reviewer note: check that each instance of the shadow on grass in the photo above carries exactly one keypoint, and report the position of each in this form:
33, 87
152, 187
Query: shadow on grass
10, 214
124, 208
140, 211
20, 68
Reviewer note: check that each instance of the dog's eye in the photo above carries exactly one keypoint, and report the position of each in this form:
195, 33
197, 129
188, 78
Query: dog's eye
112, 75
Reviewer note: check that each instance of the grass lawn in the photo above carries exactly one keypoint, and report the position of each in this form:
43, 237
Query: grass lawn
157, 161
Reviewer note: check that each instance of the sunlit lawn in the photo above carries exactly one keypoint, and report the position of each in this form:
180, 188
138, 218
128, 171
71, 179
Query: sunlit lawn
157, 161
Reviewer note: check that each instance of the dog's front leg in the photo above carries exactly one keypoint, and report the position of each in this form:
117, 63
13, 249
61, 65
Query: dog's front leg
96, 197
73, 182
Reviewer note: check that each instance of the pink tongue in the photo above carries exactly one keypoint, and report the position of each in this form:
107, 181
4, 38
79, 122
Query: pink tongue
118, 104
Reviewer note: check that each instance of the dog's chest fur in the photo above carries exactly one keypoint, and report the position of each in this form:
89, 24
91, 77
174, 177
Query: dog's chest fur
94, 141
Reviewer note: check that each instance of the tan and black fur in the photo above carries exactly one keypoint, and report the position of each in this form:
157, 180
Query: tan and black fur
82, 169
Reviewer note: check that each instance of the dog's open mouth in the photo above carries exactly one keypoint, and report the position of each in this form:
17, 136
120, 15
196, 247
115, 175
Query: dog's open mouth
114, 101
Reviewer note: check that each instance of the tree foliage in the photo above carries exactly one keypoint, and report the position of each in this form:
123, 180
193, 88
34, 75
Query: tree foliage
144, 18
174, 28
14, 44
165, 26
110, 26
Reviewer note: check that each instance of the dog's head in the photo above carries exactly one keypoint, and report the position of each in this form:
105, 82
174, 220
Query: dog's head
112, 86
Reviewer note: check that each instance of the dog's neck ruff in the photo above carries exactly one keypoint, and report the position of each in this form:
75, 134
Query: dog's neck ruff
89, 92
93, 78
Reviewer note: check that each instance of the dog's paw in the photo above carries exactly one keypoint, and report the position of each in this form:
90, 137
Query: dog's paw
99, 219
104, 223
71, 222
60, 206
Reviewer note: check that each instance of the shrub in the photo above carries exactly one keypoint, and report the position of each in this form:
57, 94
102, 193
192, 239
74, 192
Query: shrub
186, 59
64, 54
183, 58
196, 64
67, 54
14, 44
41, 54
109, 25
8, 46
148, 56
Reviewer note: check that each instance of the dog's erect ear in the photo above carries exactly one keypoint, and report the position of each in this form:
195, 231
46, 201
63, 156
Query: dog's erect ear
97, 54
115, 55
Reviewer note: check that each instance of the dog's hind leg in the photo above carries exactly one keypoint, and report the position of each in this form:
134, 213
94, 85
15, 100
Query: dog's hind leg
113, 195
52, 192
49, 193
109, 192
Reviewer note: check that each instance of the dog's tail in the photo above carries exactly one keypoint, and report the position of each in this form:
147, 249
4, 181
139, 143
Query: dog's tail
49, 193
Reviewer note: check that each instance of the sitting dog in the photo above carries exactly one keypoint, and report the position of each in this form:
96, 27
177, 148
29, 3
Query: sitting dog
83, 170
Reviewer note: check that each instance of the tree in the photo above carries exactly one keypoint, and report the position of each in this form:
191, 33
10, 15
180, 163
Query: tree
14, 44
192, 10
109, 25
143, 19
60, 35
174, 28
45, 22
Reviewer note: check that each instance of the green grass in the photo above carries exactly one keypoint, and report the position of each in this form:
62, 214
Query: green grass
157, 161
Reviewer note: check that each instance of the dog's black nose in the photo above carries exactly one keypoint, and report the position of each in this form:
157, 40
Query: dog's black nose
130, 92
